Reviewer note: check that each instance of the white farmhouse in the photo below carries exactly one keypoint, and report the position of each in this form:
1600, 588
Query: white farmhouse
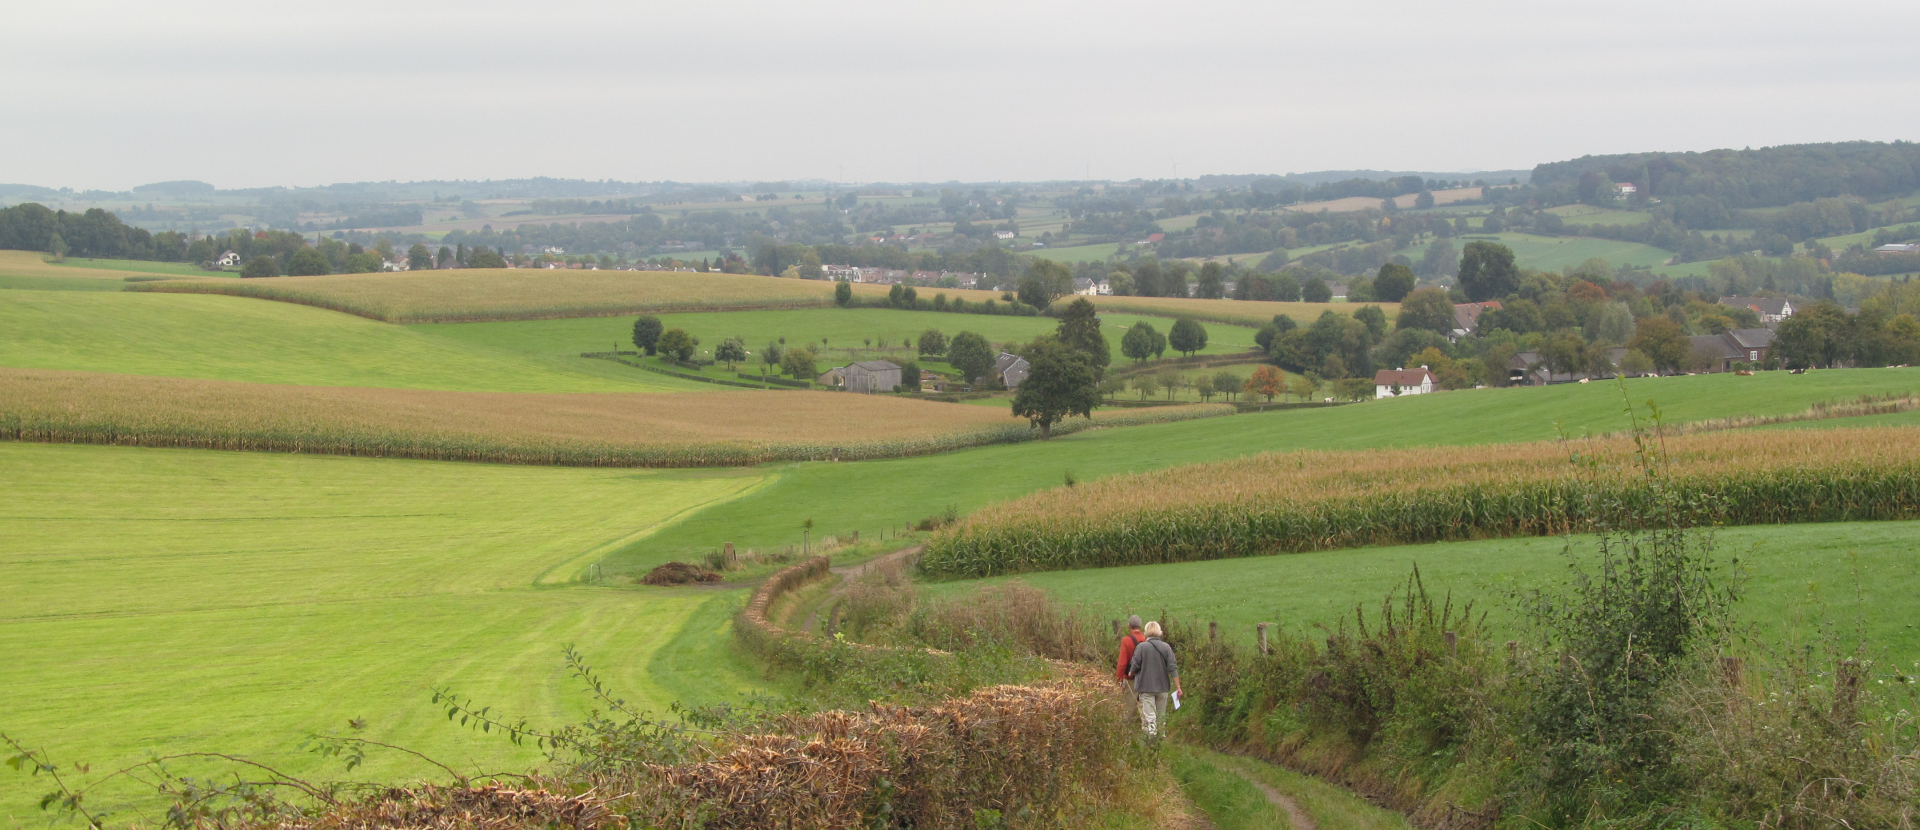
1389, 383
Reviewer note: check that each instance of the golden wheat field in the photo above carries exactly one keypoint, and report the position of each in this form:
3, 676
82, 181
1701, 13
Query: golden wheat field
587, 429
1318, 500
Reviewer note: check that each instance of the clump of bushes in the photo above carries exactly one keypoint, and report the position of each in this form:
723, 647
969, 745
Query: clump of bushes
679, 573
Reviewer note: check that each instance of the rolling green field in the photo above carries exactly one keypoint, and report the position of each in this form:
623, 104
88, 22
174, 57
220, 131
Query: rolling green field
1549, 253
1077, 253
1860, 576
1590, 215
233, 338
183, 600
141, 266
564, 340
869, 495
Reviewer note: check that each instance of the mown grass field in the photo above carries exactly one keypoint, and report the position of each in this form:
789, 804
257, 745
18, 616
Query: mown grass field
843, 328
141, 267
1077, 253
1590, 215
30, 271
1859, 576
230, 338
1550, 253
183, 600
691, 429
878, 494
1235, 312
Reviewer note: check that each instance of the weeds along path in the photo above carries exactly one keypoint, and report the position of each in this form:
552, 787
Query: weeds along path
809, 615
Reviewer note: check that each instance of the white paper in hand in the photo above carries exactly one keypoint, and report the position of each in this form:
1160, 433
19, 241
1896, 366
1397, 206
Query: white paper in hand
1176, 701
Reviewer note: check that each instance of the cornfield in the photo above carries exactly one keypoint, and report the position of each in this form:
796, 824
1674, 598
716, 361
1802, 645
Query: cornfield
1302, 501
690, 429
516, 294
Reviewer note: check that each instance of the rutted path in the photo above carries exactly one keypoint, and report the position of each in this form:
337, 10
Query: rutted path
810, 615
1297, 817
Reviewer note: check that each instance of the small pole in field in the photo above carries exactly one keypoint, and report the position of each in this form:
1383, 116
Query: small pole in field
1262, 628
1116, 628
1213, 632
1453, 643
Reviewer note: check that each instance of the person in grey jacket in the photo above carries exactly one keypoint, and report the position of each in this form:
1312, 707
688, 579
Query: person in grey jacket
1154, 673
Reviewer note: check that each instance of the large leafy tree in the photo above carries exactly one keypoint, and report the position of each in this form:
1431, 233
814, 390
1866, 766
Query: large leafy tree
1044, 282
307, 262
798, 363
1816, 335
485, 258
1080, 329
971, 354
1393, 283
1212, 282
1267, 382
261, 266
1429, 309
730, 351
1187, 336
1142, 342
1662, 341
646, 332
1487, 271
1061, 382
932, 342
843, 293
677, 344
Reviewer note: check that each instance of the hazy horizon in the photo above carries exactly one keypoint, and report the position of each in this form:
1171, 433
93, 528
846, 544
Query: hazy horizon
120, 94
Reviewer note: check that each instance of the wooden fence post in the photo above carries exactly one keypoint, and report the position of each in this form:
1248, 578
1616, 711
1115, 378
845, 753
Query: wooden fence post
1262, 628
1213, 632
1846, 687
1116, 629
1453, 644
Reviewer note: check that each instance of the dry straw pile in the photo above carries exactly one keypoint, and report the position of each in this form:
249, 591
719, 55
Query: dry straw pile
690, 429
1300, 501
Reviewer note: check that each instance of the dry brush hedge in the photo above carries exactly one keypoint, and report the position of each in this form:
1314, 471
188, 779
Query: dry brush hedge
1302, 501
639, 429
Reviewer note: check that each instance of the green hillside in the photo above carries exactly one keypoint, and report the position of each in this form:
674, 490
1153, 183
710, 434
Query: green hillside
843, 328
196, 600
233, 338
1859, 576
870, 495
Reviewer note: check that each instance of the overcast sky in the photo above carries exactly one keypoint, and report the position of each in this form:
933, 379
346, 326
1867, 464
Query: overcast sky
115, 94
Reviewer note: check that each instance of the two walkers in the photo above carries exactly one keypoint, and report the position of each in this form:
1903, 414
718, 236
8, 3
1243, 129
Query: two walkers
1152, 675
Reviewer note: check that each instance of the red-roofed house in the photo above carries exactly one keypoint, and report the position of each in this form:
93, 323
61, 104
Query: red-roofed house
1390, 383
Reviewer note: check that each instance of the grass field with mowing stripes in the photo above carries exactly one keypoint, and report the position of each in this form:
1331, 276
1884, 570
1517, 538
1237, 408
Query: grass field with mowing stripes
229, 338
185, 599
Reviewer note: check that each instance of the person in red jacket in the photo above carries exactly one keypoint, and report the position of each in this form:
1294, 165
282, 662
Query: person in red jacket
1134, 638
